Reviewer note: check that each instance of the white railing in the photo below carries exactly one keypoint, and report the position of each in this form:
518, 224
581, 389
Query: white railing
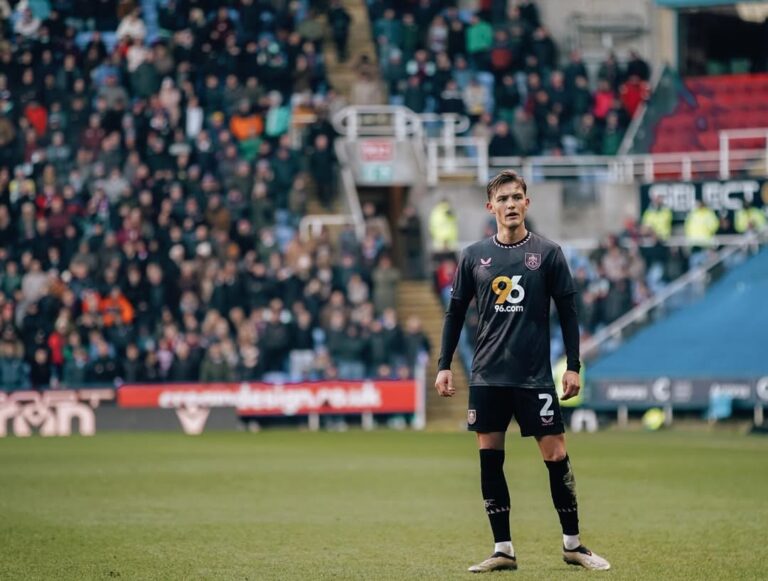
349, 189
448, 124
447, 157
451, 154
729, 135
398, 122
631, 168
313, 225
697, 276
376, 121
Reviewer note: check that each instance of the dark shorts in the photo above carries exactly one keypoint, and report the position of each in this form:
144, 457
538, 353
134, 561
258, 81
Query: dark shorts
537, 411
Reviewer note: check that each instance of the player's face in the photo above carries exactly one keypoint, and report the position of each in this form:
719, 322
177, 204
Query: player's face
509, 204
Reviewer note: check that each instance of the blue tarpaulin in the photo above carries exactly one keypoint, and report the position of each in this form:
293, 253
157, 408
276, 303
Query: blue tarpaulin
725, 334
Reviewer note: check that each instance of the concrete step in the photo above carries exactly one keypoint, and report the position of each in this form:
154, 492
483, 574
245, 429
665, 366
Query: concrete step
342, 75
418, 298
315, 207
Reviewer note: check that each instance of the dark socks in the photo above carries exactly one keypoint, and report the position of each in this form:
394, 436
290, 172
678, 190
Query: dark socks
563, 488
495, 493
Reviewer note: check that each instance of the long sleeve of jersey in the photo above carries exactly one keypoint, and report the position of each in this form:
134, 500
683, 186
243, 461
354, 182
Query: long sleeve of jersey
569, 323
454, 321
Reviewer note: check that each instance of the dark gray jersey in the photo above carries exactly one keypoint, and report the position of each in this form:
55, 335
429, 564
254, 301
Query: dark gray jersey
513, 285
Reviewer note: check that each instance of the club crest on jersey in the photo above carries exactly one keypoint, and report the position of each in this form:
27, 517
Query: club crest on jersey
532, 260
485, 261
471, 417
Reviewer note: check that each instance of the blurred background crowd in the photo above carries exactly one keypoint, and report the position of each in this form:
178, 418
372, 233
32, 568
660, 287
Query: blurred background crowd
500, 66
151, 184
155, 162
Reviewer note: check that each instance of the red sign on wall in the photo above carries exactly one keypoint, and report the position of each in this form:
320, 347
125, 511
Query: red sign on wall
264, 399
377, 150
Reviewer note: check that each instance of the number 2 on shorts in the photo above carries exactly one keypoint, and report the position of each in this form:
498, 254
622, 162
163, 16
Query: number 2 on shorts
545, 409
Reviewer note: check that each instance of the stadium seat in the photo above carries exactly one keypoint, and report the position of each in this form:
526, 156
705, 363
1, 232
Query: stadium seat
737, 101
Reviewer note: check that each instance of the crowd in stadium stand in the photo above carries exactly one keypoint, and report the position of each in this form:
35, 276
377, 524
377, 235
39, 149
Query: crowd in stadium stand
623, 271
500, 67
150, 192
151, 181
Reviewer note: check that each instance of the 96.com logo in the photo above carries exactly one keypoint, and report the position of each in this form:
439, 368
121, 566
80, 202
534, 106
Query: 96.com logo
509, 294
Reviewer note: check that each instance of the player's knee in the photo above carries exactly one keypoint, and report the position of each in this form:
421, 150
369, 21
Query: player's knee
490, 440
553, 455
552, 448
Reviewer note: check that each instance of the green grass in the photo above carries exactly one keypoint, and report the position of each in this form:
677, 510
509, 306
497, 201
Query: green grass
380, 505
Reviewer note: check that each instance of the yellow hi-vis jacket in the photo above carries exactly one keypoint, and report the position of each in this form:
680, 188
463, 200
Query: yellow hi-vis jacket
749, 219
443, 227
701, 225
659, 220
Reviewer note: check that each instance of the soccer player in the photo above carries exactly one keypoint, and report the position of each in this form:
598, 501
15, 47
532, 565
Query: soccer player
513, 276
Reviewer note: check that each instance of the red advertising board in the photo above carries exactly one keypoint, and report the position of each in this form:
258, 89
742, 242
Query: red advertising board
264, 399
376, 150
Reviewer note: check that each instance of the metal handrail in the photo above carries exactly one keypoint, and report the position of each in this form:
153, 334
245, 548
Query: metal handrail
349, 188
728, 135
592, 345
459, 123
451, 164
448, 153
404, 123
312, 225
637, 120
628, 168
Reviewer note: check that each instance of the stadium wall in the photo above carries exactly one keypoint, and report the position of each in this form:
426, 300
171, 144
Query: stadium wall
655, 39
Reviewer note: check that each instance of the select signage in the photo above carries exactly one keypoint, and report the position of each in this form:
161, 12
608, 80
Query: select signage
720, 195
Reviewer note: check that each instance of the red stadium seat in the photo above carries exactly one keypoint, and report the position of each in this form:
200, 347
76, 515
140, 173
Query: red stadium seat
723, 102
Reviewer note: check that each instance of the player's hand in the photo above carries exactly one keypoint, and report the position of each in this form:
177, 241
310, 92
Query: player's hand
444, 383
571, 385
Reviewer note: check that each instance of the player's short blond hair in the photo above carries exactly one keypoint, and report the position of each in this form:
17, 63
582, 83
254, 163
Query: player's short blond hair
505, 177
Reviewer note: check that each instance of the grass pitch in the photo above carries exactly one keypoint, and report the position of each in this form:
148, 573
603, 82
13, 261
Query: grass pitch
380, 505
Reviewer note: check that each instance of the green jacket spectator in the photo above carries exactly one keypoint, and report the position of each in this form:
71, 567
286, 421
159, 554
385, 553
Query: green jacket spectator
479, 36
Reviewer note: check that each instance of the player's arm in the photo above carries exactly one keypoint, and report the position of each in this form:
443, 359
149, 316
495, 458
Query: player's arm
569, 325
454, 322
564, 293
461, 295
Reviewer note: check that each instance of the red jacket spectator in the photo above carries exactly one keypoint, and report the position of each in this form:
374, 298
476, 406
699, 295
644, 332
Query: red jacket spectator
632, 93
37, 115
603, 100
444, 273
56, 348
